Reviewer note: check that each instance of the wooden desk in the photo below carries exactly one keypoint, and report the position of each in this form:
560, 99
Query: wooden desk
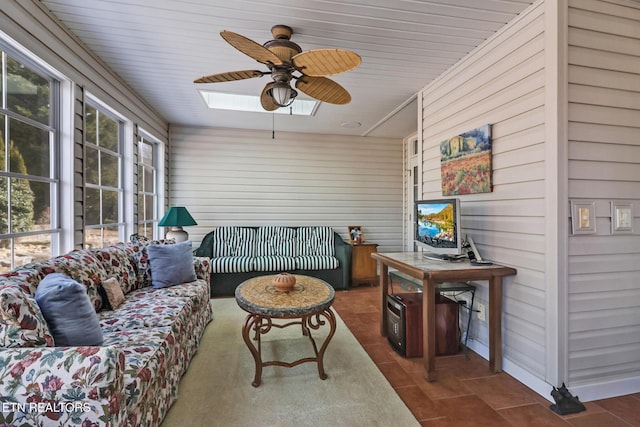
433, 272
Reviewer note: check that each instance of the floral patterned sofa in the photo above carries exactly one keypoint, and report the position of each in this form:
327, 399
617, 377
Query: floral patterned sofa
132, 379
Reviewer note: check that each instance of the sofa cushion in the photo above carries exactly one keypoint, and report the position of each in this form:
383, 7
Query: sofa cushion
171, 264
274, 263
199, 295
83, 267
68, 311
276, 241
140, 256
315, 241
317, 262
146, 308
232, 264
199, 292
118, 261
28, 276
21, 321
234, 241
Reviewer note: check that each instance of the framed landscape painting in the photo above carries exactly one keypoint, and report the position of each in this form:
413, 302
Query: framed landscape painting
465, 163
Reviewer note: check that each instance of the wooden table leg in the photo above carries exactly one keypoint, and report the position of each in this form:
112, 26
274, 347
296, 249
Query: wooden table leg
495, 324
384, 289
429, 328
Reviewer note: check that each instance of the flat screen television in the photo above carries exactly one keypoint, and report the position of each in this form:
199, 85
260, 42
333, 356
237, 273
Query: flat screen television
437, 228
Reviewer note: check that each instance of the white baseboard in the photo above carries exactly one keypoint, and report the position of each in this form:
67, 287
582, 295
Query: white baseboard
586, 392
606, 389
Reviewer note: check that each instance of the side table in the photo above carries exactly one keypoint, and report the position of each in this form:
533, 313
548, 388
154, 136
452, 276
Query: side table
364, 269
309, 302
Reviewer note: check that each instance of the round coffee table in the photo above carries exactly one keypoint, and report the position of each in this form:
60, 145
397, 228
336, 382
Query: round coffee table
309, 302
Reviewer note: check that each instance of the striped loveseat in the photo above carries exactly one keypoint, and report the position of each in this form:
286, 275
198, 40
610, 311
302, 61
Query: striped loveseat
240, 253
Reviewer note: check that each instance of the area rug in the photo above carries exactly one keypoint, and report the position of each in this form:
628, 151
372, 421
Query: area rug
217, 390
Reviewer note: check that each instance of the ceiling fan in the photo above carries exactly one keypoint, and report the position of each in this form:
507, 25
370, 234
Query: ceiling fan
286, 61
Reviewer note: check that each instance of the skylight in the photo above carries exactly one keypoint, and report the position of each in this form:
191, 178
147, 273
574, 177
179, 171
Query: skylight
230, 101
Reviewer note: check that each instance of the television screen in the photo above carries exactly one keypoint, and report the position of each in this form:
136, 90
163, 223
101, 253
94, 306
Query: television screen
437, 227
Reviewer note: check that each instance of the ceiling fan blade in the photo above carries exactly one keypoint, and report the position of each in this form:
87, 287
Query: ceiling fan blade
229, 76
324, 89
266, 100
325, 62
251, 48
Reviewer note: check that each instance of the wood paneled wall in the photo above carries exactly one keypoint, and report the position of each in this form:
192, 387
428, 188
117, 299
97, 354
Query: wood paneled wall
604, 165
502, 84
561, 88
242, 177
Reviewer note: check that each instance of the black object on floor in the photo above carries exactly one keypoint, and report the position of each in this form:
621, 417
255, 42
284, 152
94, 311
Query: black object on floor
565, 402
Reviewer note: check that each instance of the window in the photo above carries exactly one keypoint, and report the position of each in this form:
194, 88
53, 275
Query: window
29, 186
147, 186
103, 201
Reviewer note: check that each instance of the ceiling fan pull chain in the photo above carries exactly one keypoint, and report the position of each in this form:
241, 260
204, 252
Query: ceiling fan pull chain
273, 125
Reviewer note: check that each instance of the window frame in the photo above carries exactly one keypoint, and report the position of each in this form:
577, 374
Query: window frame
59, 88
123, 182
158, 179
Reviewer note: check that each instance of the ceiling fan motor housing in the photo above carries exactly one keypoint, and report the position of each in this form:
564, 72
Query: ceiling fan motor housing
283, 49
281, 45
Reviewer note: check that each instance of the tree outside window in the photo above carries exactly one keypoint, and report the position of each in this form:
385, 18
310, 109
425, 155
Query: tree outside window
27, 178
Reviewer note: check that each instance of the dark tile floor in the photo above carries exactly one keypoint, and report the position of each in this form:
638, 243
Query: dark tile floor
466, 392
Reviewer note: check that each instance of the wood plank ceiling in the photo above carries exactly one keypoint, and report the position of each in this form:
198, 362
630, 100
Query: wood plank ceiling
160, 47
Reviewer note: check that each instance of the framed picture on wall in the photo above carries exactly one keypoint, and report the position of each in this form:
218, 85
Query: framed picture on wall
466, 163
621, 217
355, 234
583, 217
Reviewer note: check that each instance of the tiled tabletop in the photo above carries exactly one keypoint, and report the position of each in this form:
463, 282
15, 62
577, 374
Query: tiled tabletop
308, 296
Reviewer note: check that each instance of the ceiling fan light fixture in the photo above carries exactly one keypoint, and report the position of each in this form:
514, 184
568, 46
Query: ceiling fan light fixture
282, 94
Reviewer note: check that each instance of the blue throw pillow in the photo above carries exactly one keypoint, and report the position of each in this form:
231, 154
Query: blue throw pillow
68, 311
171, 264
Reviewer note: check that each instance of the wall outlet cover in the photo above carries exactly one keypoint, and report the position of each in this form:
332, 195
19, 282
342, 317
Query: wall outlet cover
482, 314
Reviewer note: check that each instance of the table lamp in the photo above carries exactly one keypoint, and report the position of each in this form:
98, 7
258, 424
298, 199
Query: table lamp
176, 218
